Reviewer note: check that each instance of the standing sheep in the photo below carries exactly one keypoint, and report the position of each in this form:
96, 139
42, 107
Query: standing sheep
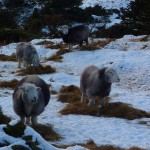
97, 82
74, 35
27, 53
30, 97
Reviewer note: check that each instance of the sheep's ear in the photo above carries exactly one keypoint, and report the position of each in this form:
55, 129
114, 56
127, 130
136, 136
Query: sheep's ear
38, 89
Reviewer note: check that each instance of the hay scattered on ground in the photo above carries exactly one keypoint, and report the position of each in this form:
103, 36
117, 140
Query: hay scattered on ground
47, 132
92, 146
70, 88
57, 57
8, 58
9, 84
69, 94
96, 45
118, 110
36, 70
45, 42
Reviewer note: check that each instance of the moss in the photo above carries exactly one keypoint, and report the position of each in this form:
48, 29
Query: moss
3, 118
8, 58
9, 84
36, 70
118, 110
47, 132
16, 130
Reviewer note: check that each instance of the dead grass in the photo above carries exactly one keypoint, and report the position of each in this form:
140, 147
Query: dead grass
8, 58
57, 57
96, 45
9, 84
36, 70
47, 132
53, 92
45, 42
92, 146
69, 94
118, 110
56, 46
70, 88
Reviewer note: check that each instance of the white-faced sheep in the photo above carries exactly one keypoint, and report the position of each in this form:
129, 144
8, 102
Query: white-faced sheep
30, 97
74, 35
97, 82
27, 53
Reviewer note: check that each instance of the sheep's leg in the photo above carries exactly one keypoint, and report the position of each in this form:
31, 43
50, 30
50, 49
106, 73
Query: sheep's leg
22, 119
92, 100
34, 120
27, 120
83, 98
70, 47
100, 105
19, 63
87, 43
25, 64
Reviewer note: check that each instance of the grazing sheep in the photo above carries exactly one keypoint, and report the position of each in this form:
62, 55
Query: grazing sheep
27, 53
74, 35
97, 82
30, 97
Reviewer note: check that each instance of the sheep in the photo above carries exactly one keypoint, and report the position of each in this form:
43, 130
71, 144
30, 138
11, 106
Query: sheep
97, 82
30, 97
27, 53
74, 35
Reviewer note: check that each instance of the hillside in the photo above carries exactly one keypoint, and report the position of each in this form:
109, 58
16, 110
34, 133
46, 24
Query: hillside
129, 56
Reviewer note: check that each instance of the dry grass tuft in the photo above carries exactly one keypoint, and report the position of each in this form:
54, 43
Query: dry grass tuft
70, 88
53, 92
45, 42
68, 97
47, 132
118, 110
96, 45
36, 70
57, 57
9, 84
8, 58
92, 146
56, 46
69, 94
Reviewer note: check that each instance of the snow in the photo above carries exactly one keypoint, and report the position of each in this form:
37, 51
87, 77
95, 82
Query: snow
129, 56
108, 4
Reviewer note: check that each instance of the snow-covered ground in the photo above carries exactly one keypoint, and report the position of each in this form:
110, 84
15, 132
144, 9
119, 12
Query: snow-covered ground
108, 4
131, 59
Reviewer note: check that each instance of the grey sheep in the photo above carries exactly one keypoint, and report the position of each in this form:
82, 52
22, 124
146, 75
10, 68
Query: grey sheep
74, 35
27, 53
97, 82
30, 97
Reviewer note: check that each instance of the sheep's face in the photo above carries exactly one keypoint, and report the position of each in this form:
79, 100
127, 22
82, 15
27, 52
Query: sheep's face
111, 75
65, 29
30, 93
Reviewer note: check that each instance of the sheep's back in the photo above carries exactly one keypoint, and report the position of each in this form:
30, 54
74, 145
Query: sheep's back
86, 77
